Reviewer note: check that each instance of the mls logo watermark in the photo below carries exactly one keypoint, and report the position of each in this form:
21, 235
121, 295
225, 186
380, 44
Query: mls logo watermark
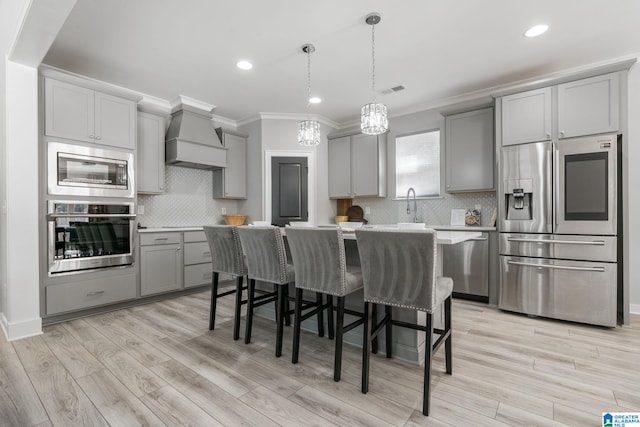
620, 419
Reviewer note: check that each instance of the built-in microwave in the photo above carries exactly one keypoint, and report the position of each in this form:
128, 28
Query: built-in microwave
77, 170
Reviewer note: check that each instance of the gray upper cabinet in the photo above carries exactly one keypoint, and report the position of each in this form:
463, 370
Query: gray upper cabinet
526, 117
582, 107
469, 151
357, 166
231, 182
340, 167
82, 114
589, 106
150, 172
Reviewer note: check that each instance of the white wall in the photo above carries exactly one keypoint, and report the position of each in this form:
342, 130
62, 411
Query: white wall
22, 314
632, 235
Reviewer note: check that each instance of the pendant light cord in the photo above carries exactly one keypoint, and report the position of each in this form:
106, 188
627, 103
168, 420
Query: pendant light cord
373, 60
309, 83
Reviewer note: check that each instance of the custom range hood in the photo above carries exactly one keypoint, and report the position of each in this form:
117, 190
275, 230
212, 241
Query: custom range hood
191, 138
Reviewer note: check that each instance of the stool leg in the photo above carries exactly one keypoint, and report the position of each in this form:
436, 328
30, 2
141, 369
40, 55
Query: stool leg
280, 319
337, 363
387, 332
428, 353
448, 344
214, 301
366, 346
251, 291
330, 316
320, 315
287, 309
236, 314
374, 320
296, 326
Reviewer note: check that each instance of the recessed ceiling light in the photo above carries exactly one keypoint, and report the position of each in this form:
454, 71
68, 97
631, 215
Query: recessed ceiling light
536, 30
315, 100
244, 65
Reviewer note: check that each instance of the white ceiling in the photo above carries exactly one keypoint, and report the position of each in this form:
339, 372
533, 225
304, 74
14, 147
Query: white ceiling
438, 49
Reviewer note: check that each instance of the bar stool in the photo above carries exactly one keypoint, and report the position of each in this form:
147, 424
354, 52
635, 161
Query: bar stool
320, 265
226, 258
266, 259
399, 269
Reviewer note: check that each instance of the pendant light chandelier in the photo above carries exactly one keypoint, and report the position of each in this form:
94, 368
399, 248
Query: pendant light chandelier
373, 116
308, 130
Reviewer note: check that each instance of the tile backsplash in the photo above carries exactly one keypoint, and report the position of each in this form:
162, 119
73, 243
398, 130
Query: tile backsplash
188, 200
435, 211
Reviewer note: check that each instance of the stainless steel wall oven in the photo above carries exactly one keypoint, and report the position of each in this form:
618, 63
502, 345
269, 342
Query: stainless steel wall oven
89, 235
560, 235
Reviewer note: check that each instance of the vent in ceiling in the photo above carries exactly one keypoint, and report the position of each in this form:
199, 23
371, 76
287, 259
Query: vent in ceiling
393, 89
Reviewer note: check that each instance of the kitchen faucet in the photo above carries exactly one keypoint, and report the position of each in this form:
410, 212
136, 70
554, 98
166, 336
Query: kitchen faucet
415, 205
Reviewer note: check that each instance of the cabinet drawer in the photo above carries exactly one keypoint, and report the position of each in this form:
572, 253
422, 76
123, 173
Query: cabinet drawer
147, 239
85, 294
194, 236
197, 253
198, 274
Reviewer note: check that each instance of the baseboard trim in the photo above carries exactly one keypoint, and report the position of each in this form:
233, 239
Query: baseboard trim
634, 308
19, 330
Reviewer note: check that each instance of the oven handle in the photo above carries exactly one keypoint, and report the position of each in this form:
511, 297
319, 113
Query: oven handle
52, 217
563, 242
557, 267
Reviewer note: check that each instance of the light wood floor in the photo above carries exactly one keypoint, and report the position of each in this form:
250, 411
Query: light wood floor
158, 364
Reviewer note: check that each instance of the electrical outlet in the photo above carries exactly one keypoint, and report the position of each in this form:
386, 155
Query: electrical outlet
140, 209
367, 210
224, 211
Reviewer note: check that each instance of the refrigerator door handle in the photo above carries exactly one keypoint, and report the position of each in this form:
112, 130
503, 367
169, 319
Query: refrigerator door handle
550, 180
561, 242
556, 267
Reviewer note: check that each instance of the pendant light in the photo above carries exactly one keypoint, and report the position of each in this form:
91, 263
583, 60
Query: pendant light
308, 130
373, 116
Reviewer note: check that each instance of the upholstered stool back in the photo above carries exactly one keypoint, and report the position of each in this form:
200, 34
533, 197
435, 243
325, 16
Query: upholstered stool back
226, 250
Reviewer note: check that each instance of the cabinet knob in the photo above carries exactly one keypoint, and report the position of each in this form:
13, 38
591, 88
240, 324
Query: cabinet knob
548, 136
91, 136
561, 133
98, 137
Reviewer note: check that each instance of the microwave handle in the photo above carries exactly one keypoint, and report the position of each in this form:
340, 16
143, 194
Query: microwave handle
52, 216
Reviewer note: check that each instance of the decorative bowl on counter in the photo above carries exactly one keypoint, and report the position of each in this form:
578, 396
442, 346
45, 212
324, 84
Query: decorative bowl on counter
235, 219
341, 218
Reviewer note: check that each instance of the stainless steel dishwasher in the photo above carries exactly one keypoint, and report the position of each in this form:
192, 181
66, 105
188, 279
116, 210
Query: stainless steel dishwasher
467, 263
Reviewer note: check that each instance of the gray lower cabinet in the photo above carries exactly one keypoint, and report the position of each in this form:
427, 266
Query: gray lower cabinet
160, 262
357, 166
150, 171
470, 151
83, 291
197, 259
231, 182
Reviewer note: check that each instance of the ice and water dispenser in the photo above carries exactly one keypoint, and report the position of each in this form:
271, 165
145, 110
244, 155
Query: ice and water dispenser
518, 199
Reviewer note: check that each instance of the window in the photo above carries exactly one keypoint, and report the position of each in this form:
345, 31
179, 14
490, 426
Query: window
418, 164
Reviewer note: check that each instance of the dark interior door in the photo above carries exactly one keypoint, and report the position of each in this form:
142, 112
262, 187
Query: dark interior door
289, 190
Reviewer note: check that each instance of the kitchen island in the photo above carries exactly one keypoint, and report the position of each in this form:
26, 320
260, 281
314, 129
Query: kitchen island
408, 344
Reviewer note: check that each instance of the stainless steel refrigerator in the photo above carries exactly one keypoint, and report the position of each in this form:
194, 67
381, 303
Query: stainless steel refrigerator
560, 236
